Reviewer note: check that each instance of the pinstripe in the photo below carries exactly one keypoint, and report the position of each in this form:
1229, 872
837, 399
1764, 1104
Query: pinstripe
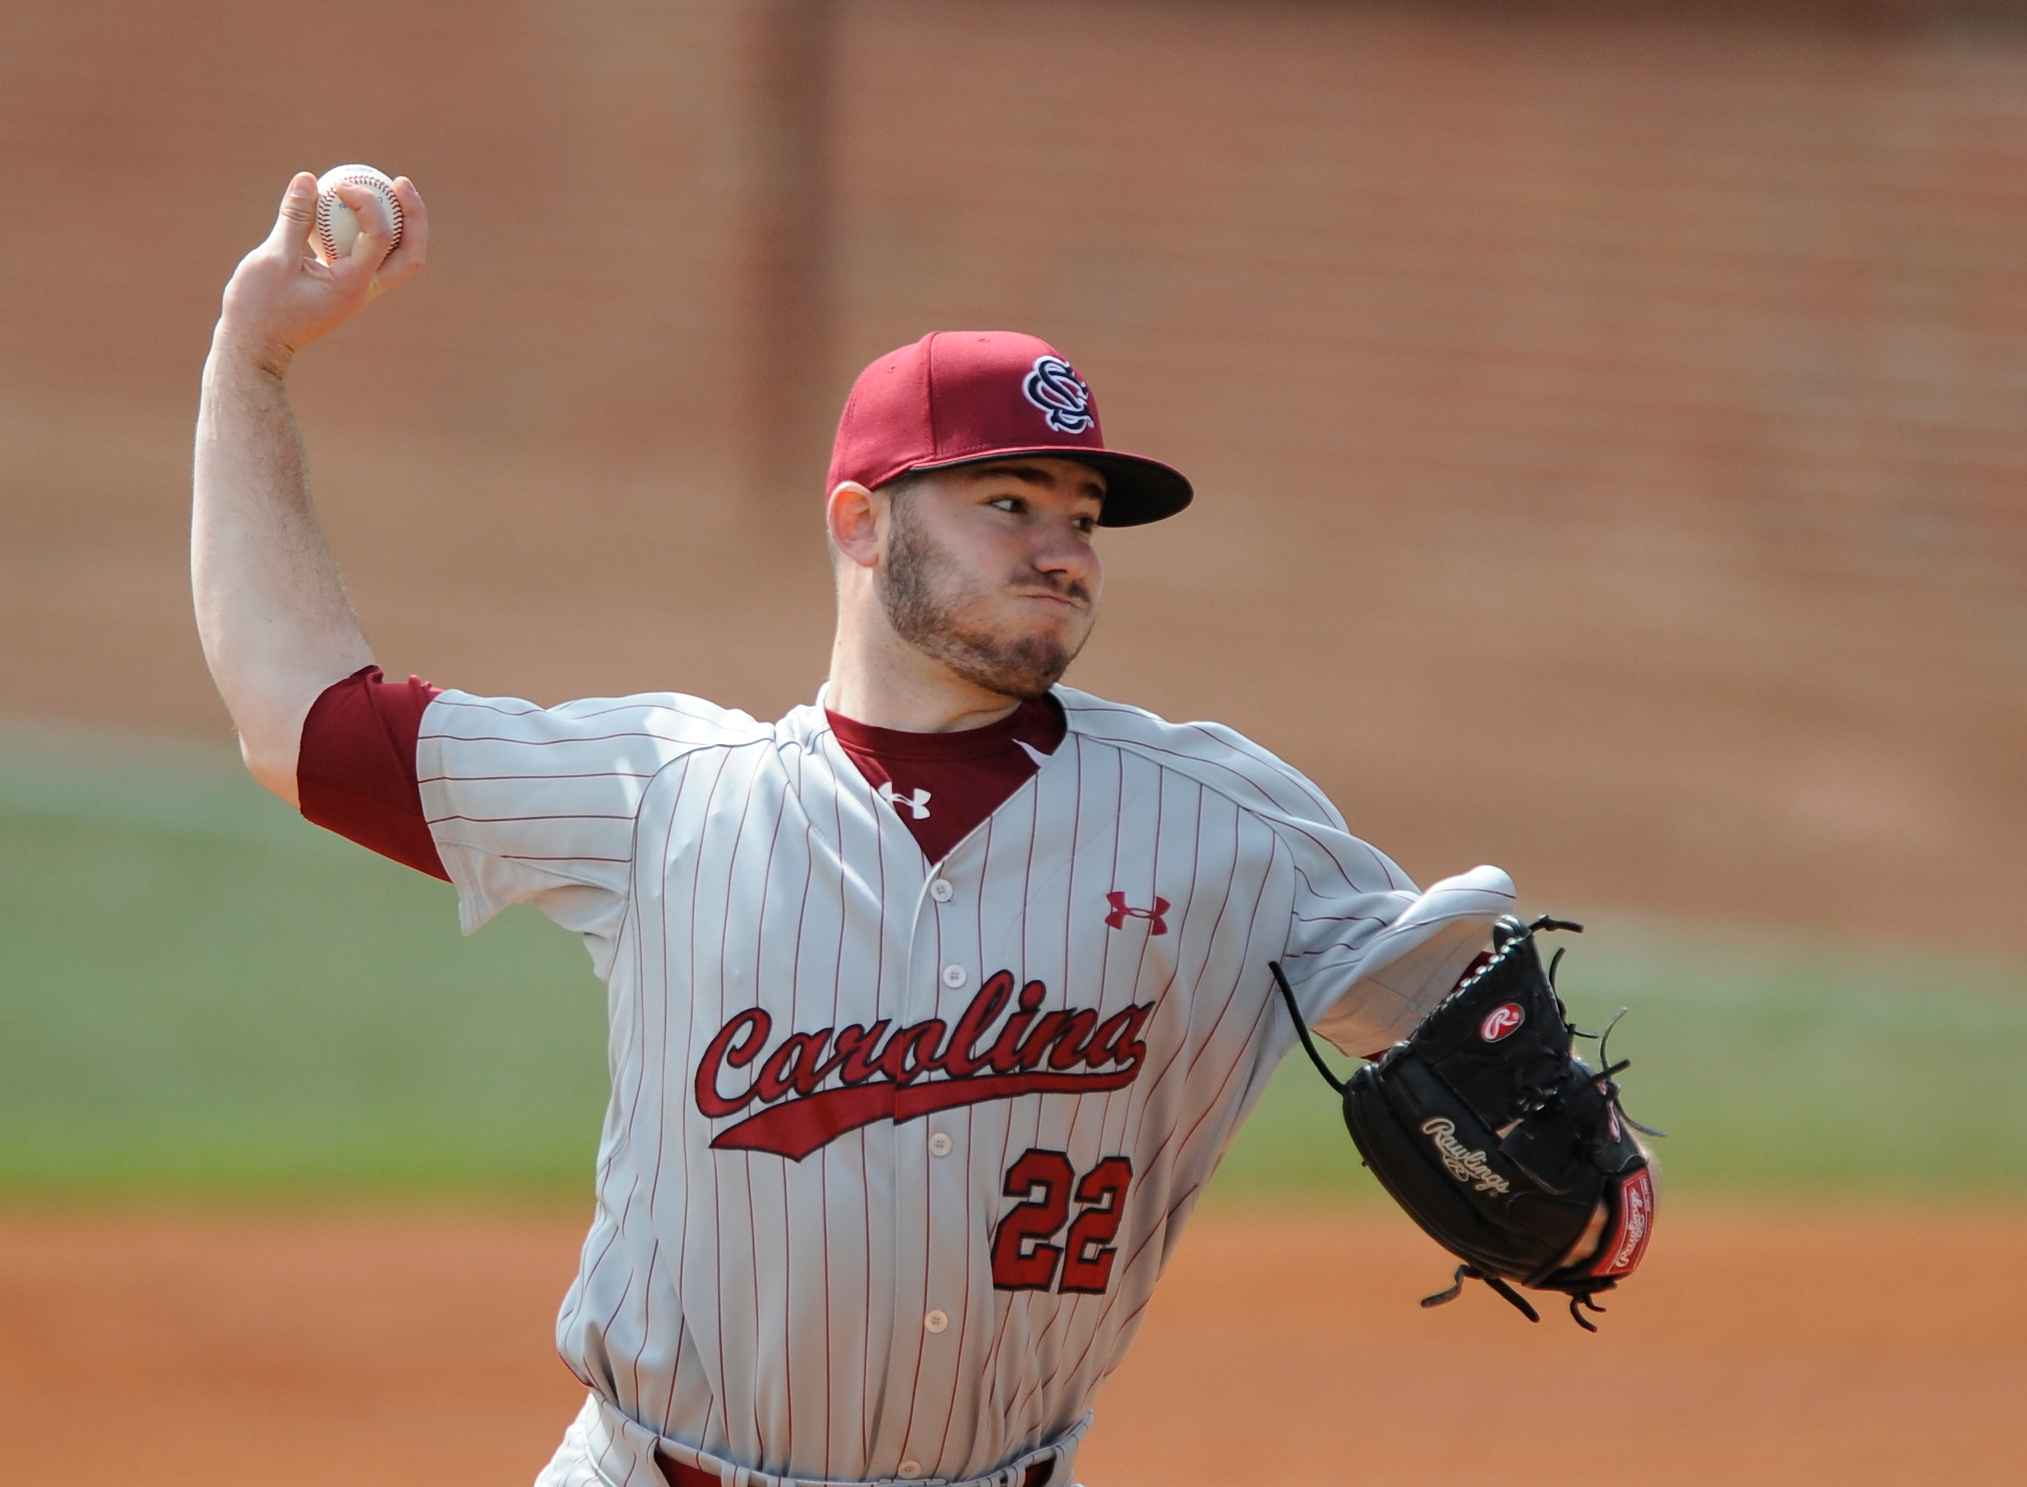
767, 1310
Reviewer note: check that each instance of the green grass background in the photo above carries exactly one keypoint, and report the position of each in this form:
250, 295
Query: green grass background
203, 998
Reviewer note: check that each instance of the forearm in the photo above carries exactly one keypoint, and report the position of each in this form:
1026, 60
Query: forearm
272, 613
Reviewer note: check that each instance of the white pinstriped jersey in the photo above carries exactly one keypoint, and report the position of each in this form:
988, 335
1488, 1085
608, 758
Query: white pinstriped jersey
897, 1150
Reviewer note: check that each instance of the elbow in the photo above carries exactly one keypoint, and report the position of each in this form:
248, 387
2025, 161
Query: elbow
271, 723
273, 765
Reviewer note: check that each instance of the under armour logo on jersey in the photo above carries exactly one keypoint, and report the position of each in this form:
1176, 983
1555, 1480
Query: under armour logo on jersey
1054, 387
917, 800
1123, 911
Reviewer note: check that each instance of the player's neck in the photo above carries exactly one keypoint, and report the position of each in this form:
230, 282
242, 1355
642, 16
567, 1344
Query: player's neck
880, 680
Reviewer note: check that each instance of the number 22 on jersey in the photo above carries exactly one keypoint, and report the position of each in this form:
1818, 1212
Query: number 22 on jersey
1024, 1259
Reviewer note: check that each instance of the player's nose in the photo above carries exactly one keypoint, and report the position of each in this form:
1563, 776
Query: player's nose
1064, 552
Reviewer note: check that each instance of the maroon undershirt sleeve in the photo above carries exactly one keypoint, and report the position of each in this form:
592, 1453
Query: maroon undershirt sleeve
355, 767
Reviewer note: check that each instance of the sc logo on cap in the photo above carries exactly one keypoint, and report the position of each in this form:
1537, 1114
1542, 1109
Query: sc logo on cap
1055, 388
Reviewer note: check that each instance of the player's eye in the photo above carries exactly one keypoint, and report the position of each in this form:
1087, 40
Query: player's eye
1014, 505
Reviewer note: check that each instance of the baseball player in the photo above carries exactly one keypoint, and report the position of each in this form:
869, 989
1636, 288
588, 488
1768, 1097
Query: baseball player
933, 1004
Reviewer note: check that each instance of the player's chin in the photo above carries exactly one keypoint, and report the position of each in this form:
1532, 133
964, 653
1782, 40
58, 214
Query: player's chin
1025, 668
1046, 653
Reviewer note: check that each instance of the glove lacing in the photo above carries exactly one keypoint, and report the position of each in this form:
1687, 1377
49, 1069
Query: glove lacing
1582, 1292
1578, 1298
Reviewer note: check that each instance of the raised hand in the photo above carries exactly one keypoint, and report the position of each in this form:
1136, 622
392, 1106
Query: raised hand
282, 296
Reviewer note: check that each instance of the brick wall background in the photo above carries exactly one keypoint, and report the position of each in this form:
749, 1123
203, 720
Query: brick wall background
1609, 427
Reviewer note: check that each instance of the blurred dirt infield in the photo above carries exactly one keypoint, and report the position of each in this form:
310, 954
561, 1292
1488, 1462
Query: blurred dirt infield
1842, 1346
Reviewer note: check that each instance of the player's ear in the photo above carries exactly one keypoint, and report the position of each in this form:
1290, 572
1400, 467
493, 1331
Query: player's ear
852, 515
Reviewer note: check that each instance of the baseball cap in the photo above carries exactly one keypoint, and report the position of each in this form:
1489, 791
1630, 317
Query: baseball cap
959, 397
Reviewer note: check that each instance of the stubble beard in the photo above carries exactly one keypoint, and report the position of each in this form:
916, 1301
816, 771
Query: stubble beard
922, 590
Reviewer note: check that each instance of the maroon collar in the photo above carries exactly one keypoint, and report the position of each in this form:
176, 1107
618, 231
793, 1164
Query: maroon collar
943, 785
1039, 723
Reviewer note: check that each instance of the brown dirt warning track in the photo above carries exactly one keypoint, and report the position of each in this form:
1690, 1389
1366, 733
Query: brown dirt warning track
1831, 1346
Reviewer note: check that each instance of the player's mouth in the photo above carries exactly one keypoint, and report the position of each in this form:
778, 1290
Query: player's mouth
1072, 596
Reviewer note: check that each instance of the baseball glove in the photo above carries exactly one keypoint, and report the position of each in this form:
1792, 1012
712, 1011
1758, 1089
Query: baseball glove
1509, 1150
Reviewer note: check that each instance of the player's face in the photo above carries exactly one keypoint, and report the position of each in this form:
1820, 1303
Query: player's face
990, 570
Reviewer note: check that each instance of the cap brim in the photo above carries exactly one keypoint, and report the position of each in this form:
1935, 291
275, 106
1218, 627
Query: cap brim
1138, 490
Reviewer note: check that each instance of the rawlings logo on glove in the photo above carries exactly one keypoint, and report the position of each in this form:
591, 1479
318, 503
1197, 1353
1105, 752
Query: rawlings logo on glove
1500, 1021
1465, 1166
1509, 1150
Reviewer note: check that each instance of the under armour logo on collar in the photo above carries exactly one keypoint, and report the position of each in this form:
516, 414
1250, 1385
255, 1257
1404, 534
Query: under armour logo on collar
1122, 911
917, 801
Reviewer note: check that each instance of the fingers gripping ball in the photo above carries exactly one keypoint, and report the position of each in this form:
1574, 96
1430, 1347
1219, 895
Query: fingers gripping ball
1509, 1150
337, 226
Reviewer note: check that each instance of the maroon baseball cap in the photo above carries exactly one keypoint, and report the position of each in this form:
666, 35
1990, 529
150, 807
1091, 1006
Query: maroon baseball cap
958, 397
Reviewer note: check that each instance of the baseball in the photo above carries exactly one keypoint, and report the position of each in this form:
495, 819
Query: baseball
337, 224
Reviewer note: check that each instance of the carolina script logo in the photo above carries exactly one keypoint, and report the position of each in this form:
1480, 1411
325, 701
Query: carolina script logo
1465, 1166
1055, 388
905, 1073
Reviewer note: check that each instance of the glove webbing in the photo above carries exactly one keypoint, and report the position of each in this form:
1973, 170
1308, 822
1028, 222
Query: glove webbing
1579, 1299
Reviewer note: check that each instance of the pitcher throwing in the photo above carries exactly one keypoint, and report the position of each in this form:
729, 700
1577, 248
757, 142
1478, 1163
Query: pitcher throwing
934, 1003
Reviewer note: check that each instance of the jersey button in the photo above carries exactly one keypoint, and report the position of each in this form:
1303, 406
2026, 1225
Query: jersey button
939, 1144
936, 1321
953, 976
909, 1470
940, 890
